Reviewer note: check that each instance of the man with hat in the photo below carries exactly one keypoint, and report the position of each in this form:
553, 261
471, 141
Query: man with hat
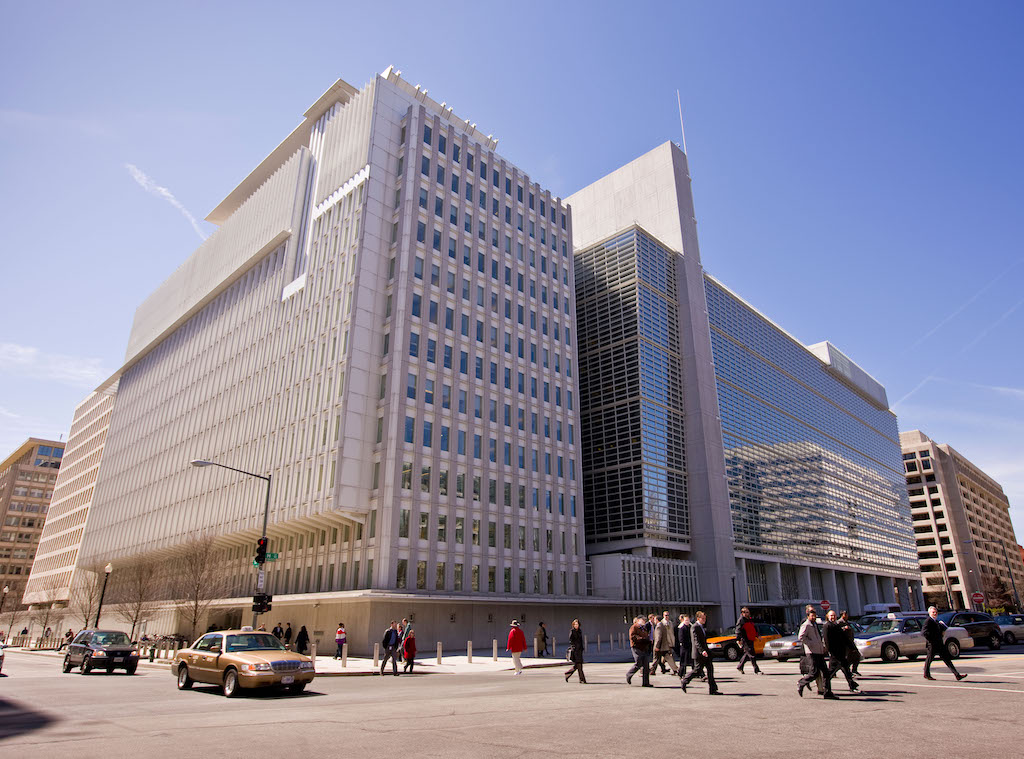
516, 645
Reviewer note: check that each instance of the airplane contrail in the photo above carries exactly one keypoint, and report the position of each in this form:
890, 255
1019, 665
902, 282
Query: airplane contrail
152, 187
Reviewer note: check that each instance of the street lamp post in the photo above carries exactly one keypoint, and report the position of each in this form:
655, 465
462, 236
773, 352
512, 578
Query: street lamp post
266, 514
1009, 567
106, 576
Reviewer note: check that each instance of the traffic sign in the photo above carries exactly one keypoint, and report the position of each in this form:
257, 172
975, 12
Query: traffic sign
272, 556
978, 598
825, 605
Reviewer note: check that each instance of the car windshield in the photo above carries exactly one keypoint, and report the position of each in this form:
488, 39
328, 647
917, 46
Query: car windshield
254, 642
883, 626
110, 639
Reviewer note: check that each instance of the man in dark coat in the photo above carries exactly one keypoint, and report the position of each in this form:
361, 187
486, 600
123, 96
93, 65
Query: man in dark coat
701, 657
934, 638
685, 645
641, 645
814, 650
838, 646
390, 643
746, 634
851, 633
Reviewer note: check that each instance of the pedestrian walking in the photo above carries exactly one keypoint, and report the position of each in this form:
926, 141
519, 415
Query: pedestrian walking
838, 647
516, 645
934, 634
409, 650
340, 638
288, 637
853, 655
702, 664
664, 639
575, 652
541, 638
746, 634
390, 643
685, 645
641, 646
302, 640
814, 651
404, 631
278, 631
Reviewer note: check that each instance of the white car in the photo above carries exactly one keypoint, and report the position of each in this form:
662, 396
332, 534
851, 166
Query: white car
889, 639
1012, 627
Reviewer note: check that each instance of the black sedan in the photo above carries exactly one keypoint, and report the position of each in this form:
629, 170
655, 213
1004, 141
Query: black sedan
982, 628
105, 650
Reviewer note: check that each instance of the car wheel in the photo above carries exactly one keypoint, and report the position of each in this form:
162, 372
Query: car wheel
184, 681
67, 665
130, 670
890, 653
297, 688
953, 649
912, 657
86, 666
230, 687
1010, 638
995, 642
732, 653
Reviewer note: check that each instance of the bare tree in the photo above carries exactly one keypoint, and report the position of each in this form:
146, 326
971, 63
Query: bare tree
135, 587
997, 591
44, 610
198, 580
84, 597
936, 598
14, 610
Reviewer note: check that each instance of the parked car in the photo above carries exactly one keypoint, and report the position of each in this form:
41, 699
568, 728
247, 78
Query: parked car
241, 659
789, 646
982, 627
889, 639
727, 646
1012, 627
101, 649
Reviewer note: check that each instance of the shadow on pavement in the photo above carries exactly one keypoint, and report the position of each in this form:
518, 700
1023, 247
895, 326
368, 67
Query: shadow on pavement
261, 694
17, 720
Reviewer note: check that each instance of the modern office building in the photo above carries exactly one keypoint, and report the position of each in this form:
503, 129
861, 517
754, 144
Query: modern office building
27, 479
56, 560
725, 463
963, 513
384, 324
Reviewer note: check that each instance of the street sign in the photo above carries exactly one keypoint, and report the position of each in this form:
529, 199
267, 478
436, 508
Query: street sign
825, 605
272, 556
978, 598
260, 578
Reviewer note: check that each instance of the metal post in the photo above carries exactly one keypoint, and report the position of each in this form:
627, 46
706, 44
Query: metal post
106, 576
376, 655
494, 646
469, 652
344, 655
438, 652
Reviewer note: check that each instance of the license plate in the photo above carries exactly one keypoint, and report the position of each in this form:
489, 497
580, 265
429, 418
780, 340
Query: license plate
118, 658
287, 680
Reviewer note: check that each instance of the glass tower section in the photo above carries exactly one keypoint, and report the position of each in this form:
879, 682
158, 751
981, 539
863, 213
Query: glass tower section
813, 465
634, 472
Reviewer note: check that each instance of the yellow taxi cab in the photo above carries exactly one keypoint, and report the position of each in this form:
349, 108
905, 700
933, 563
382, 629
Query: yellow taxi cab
728, 647
239, 660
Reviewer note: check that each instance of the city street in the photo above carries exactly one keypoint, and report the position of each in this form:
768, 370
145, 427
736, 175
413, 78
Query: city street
45, 713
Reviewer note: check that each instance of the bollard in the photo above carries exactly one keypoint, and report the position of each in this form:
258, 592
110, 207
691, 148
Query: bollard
599, 642
585, 644
344, 655
494, 645
312, 654
469, 652
554, 646
535, 650
438, 652
376, 655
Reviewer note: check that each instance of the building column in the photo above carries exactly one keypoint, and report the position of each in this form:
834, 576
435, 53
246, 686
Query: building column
871, 586
905, 601
803, 581
742, 584
917, 591
773, 570
853, 593
828, 581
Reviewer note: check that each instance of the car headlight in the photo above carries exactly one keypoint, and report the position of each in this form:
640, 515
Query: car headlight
134, 652
714, 645
305, 665
258, 667
96, 654
868, 643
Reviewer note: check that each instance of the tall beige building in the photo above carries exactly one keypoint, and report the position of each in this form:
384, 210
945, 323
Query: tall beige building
27, 479
952, 502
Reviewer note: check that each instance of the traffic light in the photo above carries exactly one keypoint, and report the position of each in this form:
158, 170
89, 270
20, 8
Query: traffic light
261, 551
261, 603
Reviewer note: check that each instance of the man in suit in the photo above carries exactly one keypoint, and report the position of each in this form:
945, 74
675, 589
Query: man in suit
814, 648
664, 641
641, 646
838, 646
685, 645
701, 656
746, 634
390, 644
934, 638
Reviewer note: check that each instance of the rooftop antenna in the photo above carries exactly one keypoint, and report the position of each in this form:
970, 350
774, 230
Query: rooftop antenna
682, 129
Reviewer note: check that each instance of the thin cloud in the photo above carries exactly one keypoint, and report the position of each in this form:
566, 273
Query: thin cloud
27, 361
152, 187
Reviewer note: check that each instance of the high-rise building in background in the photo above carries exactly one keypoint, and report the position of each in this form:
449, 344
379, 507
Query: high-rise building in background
965, 539
27, 478
724, 462
383, 323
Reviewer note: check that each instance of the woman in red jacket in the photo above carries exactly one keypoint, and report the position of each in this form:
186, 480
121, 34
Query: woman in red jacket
516, 645
409, 650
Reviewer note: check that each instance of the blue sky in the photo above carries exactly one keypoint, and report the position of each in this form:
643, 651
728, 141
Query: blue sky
856, 167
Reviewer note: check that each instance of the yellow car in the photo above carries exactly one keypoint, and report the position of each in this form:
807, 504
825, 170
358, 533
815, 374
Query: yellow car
241, 659
727, 646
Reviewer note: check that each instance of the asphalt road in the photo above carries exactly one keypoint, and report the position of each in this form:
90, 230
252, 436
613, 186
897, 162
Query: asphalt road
44, 714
